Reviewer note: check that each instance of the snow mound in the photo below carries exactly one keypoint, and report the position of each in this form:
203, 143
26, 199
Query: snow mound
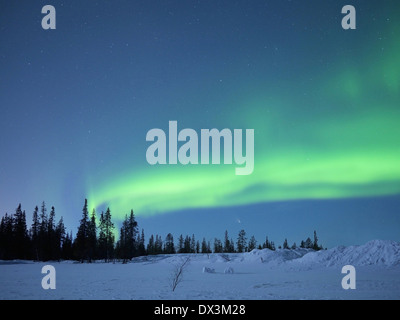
208, 270
376, 252
274, 257
384, 253
229, 270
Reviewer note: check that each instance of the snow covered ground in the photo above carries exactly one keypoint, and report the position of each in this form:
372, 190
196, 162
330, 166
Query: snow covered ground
260, 274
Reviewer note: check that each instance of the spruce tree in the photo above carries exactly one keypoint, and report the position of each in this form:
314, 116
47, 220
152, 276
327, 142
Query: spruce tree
218, 248
67, 249
158, 244
193, 244
267, 244
132, 246
308, 243
128, 244
315, 243
6, 227
169, 244
82, 236
209, 247
181, 244
110, 235
227, 244
186, 245
204, 246
20, 235
141, 247
2, 240
43, 233
92, 237
121, 247
232, 245
51, 235
151, 246
197, 246
285, 244
241, 241
59, 239
35, 234
106, 236
252, 243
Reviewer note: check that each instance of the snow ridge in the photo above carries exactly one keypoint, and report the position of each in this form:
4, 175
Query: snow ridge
383, 253
376, 252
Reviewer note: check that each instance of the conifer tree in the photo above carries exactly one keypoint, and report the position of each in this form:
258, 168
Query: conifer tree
20, 235
192, 244
197, 246
151, 246
204, 246
35, 234
227, 244
241, 241
6, 237
232, 245
66, 250
285, 244
132, 246
158, 245
267, 244
209, 247
51, 244
92, 237
106, 236
186, 245
43, 233
141, 247
82, 236
121, 247
181, 244
252, 243
308, 243
218, 248
315, 243
169, 244
59, 239
2, 239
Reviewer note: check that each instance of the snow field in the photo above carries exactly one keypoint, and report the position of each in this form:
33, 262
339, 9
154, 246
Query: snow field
260, 274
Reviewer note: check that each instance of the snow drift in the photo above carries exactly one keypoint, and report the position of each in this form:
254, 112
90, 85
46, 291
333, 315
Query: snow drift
376, 252
384, 253
259, 274
274, 257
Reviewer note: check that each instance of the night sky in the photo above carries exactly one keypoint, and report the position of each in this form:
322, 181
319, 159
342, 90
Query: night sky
77, 102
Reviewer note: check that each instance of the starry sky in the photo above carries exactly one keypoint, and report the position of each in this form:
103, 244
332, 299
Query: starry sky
77, 102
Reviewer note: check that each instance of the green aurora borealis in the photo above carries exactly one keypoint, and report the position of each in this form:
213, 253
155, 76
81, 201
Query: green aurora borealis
342, 140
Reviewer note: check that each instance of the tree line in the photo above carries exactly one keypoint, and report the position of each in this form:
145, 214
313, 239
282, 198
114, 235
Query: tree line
47, 239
